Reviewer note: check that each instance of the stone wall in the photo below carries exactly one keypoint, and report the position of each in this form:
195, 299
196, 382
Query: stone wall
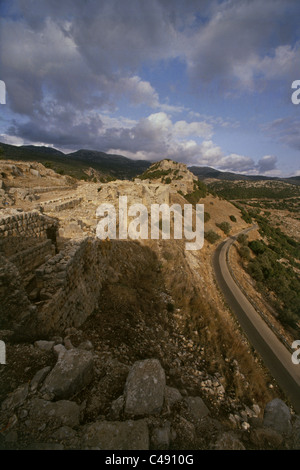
69, 286
23, 230
58, 205
28, 260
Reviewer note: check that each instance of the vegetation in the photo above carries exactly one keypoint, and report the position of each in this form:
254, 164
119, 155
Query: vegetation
232, 218
206, 217
242, 190
225, 227
274, 265
211, 236
200, 191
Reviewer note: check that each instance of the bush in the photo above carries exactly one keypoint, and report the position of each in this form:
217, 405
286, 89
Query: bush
244, 252
257, 247
168, 180
242, 239
232, 218
206, 216
225, 227
211, 236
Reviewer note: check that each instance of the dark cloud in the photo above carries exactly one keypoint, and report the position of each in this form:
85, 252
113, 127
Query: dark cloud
285, 130
266, 164
65, 62
238, 46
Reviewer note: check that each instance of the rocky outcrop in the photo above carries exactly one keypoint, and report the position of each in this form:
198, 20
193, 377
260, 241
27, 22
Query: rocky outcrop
145, 388
72, 372
35, 416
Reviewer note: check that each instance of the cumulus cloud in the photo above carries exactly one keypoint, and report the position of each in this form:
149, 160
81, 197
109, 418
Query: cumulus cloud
67, 63
236, 46
267, 163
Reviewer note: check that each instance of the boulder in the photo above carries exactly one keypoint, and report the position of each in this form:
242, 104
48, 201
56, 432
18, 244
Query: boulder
196, 408
61, 413
16, 398
228, 441
116, 435
265, 438
44, 345
145, 388
277, 416
172, 396
72, 372
39, 378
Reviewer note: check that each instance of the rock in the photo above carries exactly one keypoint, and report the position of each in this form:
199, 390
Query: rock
59, 349
61, 413
196, 408
256, 409
117, 407
185, 432
296, 433
72, 372
277, 416
16, 398
45, 446
160, 437
145, 388
116, 435
265, 438
228, 441
245, 426
86, 345
39, 378
44, 345
68, 344
67, 436
172, 396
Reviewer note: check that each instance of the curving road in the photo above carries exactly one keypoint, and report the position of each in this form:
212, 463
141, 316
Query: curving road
274, 354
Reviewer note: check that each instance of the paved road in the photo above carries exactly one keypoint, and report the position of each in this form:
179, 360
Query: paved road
274, 354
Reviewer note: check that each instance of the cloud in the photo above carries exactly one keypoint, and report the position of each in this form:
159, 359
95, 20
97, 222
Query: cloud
240, 46
284, 130
267, 163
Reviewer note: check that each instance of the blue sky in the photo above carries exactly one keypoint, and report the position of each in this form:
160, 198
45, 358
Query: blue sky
204, 82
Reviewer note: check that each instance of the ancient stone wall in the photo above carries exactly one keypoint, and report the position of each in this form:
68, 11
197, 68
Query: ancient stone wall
23, 230
58, 205
27, 260
69, 286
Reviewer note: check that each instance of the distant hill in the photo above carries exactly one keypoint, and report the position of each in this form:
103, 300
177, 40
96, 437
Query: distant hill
77, 163
115, 165
204, 172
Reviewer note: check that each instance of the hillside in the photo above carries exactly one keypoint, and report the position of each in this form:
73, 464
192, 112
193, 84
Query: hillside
92, 164
113, 307
77, 164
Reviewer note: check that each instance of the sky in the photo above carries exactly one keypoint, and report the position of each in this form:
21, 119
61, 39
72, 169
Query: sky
203, 82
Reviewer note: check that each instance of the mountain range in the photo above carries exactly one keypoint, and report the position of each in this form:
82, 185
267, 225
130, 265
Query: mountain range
77, 163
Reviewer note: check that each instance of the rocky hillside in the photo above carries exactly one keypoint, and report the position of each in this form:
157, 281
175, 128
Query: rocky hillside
99, 325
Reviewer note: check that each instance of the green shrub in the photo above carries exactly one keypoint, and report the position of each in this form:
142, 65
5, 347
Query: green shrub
244, 252
211, 236
225, 227
242, 239
232, 218
257, 247
206, 216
